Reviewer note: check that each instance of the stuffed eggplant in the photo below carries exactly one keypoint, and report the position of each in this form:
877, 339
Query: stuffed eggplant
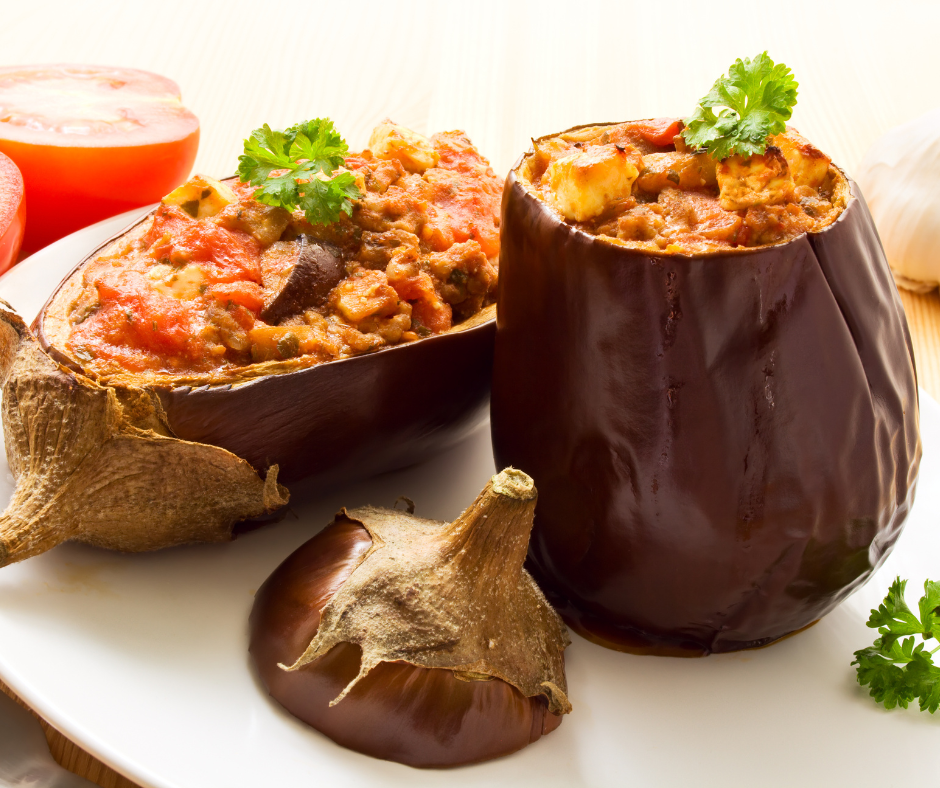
329, 344
704, 364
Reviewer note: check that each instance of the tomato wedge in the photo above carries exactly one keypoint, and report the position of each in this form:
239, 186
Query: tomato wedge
12, 212
91, 142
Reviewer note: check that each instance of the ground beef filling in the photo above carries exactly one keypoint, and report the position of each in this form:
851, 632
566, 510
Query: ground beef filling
215, 280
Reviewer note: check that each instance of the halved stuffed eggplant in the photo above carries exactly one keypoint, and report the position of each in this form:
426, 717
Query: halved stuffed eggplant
329, 349
711, 382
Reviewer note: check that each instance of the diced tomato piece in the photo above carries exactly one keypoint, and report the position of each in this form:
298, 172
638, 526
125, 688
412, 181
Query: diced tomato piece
427, 307
246, 294
135, 317
711, 221
462, 208
224, 255
435, 315
168, 220
458, 153
659, 131
355, 162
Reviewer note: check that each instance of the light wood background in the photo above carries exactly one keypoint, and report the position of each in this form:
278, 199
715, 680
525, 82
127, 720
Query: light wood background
504, 72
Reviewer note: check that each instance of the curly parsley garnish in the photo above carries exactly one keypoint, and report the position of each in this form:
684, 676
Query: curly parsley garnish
758, 97
310, 152
901, 671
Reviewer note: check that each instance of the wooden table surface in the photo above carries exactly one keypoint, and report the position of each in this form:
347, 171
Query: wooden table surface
504, 72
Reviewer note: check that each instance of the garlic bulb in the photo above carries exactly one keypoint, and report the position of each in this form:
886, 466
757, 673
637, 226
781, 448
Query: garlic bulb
899, 177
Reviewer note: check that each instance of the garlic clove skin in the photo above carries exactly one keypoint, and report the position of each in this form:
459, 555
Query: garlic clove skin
423, 717
899, 177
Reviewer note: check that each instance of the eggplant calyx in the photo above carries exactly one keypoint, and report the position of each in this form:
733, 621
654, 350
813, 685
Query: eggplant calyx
451, 595
98, 464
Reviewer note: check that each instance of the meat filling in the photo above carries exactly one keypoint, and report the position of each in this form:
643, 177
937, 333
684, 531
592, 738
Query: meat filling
215, 280
639, 184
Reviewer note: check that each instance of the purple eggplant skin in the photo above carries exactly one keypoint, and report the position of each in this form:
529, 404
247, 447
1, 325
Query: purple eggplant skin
725, 446
339, 420
349, 418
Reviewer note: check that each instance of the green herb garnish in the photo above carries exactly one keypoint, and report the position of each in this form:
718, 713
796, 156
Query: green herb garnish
758, 99
900, 671
310, 152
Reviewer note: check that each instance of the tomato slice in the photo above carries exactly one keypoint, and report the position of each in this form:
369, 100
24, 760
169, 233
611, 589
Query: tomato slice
91, 142
12, 212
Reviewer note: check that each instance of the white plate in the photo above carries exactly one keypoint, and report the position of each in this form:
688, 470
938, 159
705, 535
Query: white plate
142, 659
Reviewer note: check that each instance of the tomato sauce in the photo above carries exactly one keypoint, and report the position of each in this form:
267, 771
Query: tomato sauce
186, 295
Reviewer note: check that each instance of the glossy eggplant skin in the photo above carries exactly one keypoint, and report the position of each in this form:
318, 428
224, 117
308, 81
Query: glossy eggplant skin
418, 716
338, 420
349, 418
725, 447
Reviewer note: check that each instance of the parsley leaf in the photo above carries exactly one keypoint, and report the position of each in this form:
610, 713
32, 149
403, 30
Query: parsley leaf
893, 618
310, 152
758, 97
897, 669
930, 609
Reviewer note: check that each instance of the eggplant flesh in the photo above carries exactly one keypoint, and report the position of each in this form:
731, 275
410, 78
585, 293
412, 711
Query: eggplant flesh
726, 446
314, 269
330, 422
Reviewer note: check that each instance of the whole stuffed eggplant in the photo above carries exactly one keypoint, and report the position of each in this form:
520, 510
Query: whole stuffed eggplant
726, 443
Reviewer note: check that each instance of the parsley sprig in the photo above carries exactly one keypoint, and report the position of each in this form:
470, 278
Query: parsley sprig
899, 671
758, 97
310, 152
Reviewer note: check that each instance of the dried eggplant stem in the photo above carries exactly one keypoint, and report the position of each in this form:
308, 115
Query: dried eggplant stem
451, 595
97, 464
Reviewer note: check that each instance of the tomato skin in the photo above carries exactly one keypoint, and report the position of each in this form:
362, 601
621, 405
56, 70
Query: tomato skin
12, 212
74, 179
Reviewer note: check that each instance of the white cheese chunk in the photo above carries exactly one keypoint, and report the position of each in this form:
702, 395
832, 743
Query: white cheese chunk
755, 180
183, 284
808, 165
416, 153
201, 196
582, 185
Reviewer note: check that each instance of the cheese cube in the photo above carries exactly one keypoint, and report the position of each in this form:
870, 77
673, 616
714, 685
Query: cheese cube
201, 196
755, 180
416, 153
582, 185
